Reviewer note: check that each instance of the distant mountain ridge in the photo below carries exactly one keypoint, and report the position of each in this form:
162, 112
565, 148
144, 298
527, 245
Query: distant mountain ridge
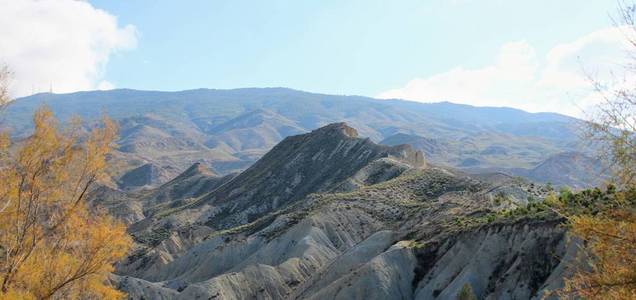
572, 169
228, 130
569, 168
123, 103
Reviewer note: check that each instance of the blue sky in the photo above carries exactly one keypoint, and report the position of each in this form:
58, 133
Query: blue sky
343, 47
372, 48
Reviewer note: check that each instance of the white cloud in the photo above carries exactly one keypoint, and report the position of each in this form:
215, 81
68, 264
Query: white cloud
519, 78
105, 85
59, 44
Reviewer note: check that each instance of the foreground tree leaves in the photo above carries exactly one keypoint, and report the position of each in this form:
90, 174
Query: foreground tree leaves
609, 236
52, 246
609, 269
603, 223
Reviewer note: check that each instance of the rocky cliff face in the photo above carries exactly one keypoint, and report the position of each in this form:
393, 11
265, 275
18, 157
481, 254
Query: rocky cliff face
329, 215
519, 260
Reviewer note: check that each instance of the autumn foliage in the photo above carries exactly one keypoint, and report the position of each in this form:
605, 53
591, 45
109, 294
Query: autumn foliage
52, 245
610, 269
607, 236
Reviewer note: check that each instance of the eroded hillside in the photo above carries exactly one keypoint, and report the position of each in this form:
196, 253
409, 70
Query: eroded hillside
329, 215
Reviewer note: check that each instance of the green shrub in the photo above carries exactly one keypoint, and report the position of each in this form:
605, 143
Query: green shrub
500, 198
466, 293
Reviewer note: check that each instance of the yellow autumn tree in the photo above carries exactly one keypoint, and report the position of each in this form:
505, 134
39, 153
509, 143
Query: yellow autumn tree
607, 268
609, 271
52, 245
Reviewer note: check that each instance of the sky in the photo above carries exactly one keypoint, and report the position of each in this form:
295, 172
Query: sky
533, 55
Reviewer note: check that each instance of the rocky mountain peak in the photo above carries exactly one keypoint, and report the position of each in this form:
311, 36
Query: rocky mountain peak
336, 129
302, 164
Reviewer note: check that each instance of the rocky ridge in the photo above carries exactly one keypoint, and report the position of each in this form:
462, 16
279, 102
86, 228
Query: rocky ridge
330, 215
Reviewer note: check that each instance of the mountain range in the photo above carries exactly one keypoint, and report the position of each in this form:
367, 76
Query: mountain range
163, 133
282, 194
